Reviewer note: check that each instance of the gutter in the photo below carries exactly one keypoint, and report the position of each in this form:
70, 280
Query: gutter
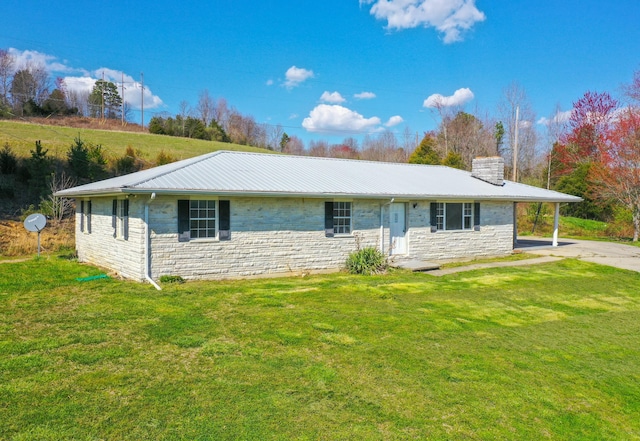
147, 244
253, 193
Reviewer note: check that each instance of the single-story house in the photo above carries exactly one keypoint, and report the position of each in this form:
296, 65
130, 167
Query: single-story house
236, 214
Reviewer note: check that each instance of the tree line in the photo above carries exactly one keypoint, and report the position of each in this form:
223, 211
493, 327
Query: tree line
25, 91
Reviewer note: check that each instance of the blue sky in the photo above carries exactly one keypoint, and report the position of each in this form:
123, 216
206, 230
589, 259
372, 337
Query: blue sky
336, 68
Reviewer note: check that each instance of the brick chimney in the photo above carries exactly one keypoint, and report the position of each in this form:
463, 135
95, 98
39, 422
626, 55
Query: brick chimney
490, 170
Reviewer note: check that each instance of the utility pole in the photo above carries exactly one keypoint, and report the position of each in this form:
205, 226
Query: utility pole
122, 88
514, 175
102, 95
142, 100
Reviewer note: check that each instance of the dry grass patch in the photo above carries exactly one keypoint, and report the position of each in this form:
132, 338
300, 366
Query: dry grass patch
15, 240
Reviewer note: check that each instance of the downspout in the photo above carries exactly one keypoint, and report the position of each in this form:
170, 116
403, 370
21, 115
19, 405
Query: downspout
382, 224
147, 244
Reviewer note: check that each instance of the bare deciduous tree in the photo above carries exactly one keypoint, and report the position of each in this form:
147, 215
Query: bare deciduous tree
294, 146
60, 207
275, 135
206, 107
515, 103
7, 64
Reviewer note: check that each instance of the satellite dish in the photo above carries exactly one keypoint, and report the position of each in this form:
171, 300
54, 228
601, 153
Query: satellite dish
35, 222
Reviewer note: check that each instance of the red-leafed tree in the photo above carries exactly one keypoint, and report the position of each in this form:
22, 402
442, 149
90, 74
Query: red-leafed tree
573, 157
616, 173
589, 125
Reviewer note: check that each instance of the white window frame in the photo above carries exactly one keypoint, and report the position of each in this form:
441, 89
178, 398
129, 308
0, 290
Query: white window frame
339, 218
206, 219
466, 216
120, 221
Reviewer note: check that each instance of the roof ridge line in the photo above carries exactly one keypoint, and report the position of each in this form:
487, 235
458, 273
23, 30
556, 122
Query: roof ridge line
328, 158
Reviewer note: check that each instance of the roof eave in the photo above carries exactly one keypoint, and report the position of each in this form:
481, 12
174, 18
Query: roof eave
241, 193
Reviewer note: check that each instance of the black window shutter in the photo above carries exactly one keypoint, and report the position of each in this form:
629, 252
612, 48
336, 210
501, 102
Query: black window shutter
224, 221
89, 217
184, 229
82, 216
114, 215
125, 218
433, 211
328, 219
476, 216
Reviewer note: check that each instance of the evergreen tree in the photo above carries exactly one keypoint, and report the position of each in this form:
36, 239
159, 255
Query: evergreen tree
454, 160
425, 153
284, 141
8, 161
39, 169
78, 159
217, 133
105, 96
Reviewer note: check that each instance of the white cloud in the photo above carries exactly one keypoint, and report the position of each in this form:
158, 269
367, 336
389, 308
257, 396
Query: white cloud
269, 82
459, 98
50, 62
79, 84
559, 118
364, 95
450, 17
338, 119
296, 75
332, 98
394, 121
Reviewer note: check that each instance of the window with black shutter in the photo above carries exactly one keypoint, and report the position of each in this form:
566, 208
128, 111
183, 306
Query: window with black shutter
203, 219
89, 217
337, 218
82, 216
224, 220
114, 217
328, 219
454, 216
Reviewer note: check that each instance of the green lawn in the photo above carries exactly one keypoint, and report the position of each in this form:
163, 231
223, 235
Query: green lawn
22, 137
541, 352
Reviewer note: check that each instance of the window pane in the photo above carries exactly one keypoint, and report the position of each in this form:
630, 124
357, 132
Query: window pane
342, 217
202, 218
468, 214
440, 216
454, 216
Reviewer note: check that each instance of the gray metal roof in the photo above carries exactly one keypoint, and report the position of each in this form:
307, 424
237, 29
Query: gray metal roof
243, 173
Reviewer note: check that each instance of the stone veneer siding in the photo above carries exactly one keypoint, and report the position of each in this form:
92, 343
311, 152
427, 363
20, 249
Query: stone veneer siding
101, 248
272, 236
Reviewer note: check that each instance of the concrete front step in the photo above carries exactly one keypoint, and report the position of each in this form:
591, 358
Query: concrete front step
415, 265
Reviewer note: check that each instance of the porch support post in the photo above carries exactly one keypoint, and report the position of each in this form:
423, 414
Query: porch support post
556, 222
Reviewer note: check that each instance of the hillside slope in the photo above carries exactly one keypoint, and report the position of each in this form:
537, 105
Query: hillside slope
21, 136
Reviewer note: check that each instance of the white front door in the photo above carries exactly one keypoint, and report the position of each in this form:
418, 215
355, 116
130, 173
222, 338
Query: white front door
398, 229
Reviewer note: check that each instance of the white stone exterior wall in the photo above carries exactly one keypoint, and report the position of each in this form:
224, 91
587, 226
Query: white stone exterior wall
101, 248
268, 236
494, 238
275, 236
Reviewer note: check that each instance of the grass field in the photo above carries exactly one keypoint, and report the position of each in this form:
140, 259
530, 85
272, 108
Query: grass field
542, 352
22, 136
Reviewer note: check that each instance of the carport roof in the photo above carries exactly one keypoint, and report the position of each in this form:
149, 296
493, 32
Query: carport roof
258, 174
